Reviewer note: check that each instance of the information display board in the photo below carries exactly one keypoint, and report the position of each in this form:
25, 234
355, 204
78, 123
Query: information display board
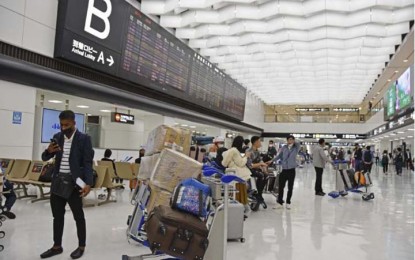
113, 37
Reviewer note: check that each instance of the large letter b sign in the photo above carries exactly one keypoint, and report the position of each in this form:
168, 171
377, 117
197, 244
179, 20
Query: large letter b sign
92, 10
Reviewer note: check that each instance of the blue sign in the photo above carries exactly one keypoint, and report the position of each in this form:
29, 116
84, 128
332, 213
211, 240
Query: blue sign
17, 118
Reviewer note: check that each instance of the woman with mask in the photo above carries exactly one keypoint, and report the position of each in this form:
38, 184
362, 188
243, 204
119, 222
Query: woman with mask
217, 143
233, 159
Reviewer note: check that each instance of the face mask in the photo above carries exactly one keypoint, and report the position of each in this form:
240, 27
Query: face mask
270, 145
220, 145
213, 155
67, 131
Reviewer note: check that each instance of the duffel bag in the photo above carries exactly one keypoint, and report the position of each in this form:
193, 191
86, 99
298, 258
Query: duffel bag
192, 196
177, 233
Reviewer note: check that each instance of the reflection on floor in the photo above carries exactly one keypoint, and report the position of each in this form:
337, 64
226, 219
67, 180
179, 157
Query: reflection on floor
315, 228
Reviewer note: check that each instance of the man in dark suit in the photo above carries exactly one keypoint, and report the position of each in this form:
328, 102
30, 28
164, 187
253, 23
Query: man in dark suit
73, 160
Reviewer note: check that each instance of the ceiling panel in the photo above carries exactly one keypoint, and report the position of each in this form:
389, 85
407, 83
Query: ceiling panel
306, 51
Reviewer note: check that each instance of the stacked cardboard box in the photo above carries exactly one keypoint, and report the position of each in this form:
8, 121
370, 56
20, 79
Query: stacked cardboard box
146, 166
168, 137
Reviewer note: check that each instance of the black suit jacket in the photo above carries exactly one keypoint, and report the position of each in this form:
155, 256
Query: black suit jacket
80, 158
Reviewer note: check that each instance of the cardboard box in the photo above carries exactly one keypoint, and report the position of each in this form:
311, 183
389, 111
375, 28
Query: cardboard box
168, 137
172, 167
158, 197
148, 163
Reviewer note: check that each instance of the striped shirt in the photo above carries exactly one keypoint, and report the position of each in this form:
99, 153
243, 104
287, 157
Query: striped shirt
65, 155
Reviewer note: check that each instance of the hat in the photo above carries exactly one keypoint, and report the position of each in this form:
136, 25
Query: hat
219, 139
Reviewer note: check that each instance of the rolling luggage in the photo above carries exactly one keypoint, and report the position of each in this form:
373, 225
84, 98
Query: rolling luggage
177, 233
346, 180
216, 187
235, 221
192, 196
350, 174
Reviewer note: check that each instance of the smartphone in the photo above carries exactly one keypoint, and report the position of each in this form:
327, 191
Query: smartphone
53, 141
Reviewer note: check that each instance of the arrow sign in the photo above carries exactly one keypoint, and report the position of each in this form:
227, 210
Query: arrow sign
110, 60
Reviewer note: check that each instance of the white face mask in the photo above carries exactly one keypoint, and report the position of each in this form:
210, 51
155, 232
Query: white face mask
220, 145
213, 155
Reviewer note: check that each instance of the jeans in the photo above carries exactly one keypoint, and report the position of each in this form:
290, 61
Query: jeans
261, 182
319, 177
10, 195
58, 210
286, 175
399, 166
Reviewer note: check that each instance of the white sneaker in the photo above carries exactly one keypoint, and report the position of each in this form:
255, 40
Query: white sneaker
288, 206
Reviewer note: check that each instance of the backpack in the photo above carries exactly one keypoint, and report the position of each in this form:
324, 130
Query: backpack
399, 158
192, 196
367, 157
47, 173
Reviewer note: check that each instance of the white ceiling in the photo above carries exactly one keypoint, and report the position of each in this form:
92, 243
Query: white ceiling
292, 51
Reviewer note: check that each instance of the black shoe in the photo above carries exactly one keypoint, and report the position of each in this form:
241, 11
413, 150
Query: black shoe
264, 205
9, 214
320, 193
51, 252
78, 253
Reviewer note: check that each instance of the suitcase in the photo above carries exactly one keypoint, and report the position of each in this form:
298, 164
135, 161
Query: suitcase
235, 221
345, 179
368, 179
177, 233
350, 174
216, 187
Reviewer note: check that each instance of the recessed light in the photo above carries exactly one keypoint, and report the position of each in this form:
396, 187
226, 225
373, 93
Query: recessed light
185, 125
396, 139
82, 106
410, 136
392, 134
55, 101
405, 60
192, 126
389, 80
396, 71
105, 110
89, 114
401, 132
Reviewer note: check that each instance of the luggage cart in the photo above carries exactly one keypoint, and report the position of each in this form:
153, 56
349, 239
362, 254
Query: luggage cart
217, 224
355, 188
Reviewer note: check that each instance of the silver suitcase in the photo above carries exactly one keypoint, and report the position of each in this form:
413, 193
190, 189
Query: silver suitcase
216, 187
343, 180
235, 221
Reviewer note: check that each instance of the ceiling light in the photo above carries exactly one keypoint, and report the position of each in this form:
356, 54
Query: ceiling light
410, 129
185, 125
396, 71
389, 80
82, 106
105, 110
89, 114
392, 134
402, 138
405, 60
176, 123
401, 132
192, 126
55, 101
396, 139
410, 136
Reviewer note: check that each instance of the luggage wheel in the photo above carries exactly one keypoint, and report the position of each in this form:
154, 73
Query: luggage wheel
372, 196
2, 218
242, 240
366, 197
254, 206
1, 248
2, 234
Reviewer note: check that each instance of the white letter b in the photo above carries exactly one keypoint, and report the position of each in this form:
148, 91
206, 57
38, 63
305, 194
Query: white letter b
102, 15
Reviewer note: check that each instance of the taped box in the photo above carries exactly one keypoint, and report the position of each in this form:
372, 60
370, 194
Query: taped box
168, 137
148, 163
158, 197
172, 167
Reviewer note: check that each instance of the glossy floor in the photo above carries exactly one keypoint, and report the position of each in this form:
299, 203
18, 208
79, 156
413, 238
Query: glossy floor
315, 228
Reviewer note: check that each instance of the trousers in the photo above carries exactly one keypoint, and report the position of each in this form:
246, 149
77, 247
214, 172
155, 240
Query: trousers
58, 205
287, 175
319, 177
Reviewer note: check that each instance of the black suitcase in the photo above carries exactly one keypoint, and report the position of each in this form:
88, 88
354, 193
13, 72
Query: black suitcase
177, 233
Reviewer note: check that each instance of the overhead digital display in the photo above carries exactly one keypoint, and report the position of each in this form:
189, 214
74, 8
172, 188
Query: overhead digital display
113, 37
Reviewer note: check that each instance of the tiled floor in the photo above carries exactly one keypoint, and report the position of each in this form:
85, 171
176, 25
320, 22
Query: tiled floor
315, 228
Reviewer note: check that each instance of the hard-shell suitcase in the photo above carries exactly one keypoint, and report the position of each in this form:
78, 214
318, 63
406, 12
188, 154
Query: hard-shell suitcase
216, 187
350, 174
235, 221
345, 179
177, 233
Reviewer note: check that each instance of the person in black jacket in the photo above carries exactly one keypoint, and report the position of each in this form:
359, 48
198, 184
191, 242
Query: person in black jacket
272, 151
73, 160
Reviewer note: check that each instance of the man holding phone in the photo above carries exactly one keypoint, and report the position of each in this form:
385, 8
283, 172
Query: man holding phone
71, 181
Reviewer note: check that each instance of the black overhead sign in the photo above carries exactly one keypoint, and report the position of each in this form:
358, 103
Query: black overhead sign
318, 109
122, 118
113, 37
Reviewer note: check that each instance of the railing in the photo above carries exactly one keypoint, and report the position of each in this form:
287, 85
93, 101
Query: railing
302, 118
376, 108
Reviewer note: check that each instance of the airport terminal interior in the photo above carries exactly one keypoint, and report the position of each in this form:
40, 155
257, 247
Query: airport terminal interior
207, 129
